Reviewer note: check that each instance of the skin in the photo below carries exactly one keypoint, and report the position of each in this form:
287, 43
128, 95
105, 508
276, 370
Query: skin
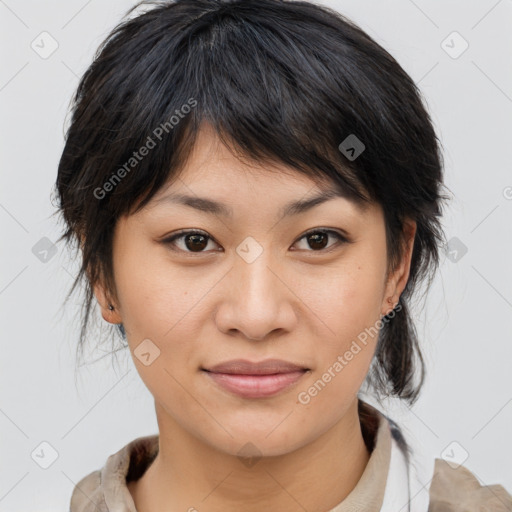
295, 302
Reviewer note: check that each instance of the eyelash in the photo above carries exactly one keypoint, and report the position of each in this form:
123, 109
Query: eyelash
181, 234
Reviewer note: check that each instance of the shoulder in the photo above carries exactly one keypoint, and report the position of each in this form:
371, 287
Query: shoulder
105, 488
457, 489
87, 494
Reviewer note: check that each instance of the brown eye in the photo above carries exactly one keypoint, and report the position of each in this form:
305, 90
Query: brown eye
318, 239
192, 241
195, 242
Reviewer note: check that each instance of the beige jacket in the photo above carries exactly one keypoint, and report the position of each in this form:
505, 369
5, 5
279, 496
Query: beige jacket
451, 489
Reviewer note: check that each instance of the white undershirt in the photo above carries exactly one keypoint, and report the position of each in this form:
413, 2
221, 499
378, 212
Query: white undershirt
406, 491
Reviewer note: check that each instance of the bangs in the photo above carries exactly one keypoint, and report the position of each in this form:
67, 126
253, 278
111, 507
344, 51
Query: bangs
268, 95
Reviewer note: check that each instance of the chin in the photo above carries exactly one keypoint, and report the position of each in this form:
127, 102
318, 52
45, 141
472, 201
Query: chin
267, 441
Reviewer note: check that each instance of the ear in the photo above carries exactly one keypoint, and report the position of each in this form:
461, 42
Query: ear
398, 278
111, 316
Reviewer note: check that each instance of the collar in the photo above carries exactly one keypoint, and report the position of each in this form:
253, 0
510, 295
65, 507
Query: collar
395, 479
380, 489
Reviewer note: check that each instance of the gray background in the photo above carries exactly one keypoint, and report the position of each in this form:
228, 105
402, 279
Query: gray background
466, 328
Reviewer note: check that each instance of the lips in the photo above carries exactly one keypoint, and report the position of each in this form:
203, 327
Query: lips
255, 380
266, 367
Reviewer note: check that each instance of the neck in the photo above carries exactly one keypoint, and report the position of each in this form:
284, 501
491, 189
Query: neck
189, 473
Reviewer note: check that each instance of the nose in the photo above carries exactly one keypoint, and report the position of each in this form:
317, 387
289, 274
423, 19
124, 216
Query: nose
256, 301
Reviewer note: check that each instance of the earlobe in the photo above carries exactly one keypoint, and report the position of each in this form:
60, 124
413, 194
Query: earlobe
109, 312
391, 304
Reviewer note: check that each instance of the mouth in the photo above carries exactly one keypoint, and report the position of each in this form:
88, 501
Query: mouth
255, 380
245, 367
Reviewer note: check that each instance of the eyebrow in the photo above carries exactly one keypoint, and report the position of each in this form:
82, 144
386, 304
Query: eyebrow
210, 206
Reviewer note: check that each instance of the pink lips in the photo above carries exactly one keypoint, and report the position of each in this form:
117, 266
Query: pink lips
255, 380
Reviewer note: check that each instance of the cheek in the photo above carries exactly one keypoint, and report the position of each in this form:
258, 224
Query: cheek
345, 300
350, 307
160, 315
160, 303
149, 297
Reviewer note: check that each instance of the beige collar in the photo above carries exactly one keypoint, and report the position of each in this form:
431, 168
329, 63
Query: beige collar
106, 490
108, 487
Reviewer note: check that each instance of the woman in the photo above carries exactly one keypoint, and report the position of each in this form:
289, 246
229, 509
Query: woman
255, 189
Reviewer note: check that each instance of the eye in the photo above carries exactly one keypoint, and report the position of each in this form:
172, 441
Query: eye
317, 239
192, 241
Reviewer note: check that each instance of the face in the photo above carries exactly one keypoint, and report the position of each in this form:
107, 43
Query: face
308, 288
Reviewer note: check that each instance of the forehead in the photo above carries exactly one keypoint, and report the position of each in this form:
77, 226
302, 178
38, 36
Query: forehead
213, 171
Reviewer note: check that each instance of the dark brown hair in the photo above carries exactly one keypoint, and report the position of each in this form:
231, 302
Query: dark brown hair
283, 81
